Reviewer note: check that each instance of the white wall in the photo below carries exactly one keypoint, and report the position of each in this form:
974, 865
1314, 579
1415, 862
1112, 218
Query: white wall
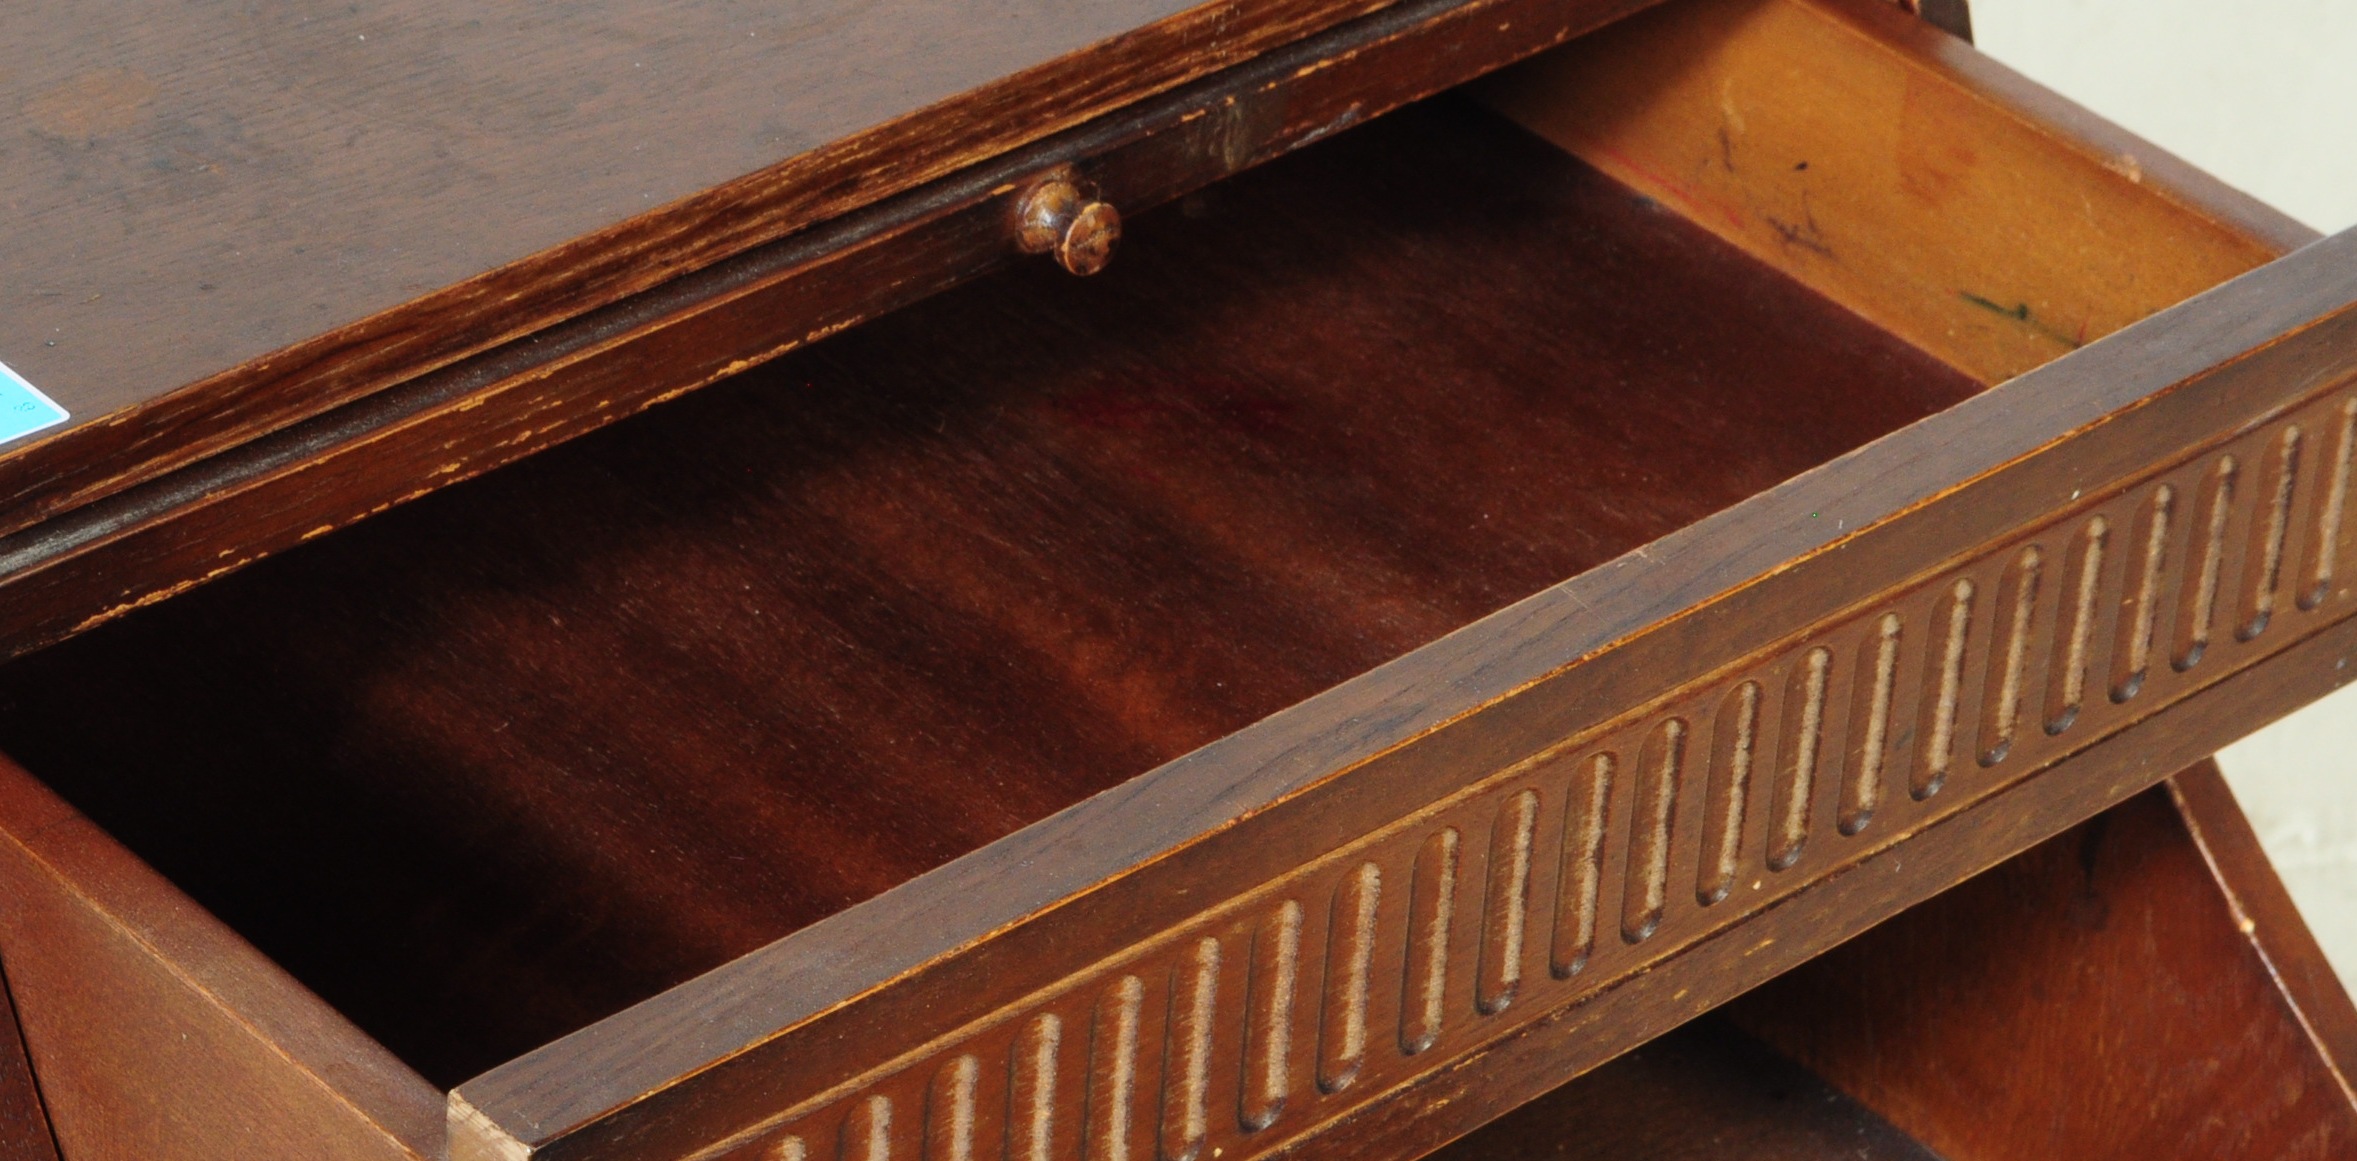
2261, 93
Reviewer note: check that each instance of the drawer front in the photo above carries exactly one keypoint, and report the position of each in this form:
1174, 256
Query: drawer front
1575, 823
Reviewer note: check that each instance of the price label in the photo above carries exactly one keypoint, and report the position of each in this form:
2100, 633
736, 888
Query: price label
23, 409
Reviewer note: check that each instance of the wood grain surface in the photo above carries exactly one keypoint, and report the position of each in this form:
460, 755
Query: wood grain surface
2104, 994
555, 630
64, 571
496, 766
2290, 299
226, 218
1897, 171
2098, 997
2207, 333
1542, 674
193, 191
1427, 1115
24, 1121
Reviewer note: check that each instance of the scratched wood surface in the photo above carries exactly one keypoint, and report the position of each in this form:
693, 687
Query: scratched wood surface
191, 187
66, 564
594, 725
2021, 153
553, 629
1556, 680
224, 218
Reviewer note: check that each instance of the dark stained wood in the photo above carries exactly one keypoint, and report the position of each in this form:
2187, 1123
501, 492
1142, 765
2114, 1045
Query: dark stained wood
1704, 1092
160, 1035
156, 539
24, 1123
278, 209
1544, 673
2096, 997
499, 765
541, 675
284, 484
1448, 1104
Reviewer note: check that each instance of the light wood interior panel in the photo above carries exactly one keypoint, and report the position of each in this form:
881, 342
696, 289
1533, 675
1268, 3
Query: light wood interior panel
1897, 171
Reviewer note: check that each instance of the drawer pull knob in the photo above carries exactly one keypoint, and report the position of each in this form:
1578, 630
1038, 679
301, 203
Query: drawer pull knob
1057, 218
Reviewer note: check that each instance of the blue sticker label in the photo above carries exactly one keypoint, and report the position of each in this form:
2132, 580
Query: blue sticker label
23, 409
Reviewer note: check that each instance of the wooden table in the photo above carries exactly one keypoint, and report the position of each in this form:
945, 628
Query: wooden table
991, 713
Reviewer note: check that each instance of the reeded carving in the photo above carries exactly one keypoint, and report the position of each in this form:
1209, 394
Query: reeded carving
1645, 894
1454, 926
1432, 911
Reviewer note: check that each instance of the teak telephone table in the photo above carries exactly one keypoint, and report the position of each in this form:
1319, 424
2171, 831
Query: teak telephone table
987, 714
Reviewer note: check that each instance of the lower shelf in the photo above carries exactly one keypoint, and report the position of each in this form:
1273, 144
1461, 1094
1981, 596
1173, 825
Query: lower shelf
2135, 987
1707, 1090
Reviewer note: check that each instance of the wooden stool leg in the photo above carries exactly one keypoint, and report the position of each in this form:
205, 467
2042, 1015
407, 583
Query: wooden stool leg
2136, 987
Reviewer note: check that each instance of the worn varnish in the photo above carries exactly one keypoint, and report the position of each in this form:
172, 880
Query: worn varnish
523, 756
289, 205
772, 663
1438, 1109
174, 498
265, 219
2125, 989
1959, 742
1980, 816
182, 490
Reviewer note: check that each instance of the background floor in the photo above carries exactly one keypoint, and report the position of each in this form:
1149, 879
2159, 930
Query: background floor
2262, 93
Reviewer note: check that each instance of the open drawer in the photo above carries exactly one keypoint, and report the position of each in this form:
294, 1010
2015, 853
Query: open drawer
1111, 719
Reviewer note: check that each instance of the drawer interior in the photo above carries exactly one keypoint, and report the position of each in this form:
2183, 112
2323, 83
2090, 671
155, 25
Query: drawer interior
500, 762
506, 760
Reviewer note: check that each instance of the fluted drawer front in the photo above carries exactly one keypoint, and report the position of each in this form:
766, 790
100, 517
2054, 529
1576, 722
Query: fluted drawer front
1596, 857
1400, 906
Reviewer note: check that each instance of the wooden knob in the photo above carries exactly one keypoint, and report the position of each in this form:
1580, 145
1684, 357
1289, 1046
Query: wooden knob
1057, 218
